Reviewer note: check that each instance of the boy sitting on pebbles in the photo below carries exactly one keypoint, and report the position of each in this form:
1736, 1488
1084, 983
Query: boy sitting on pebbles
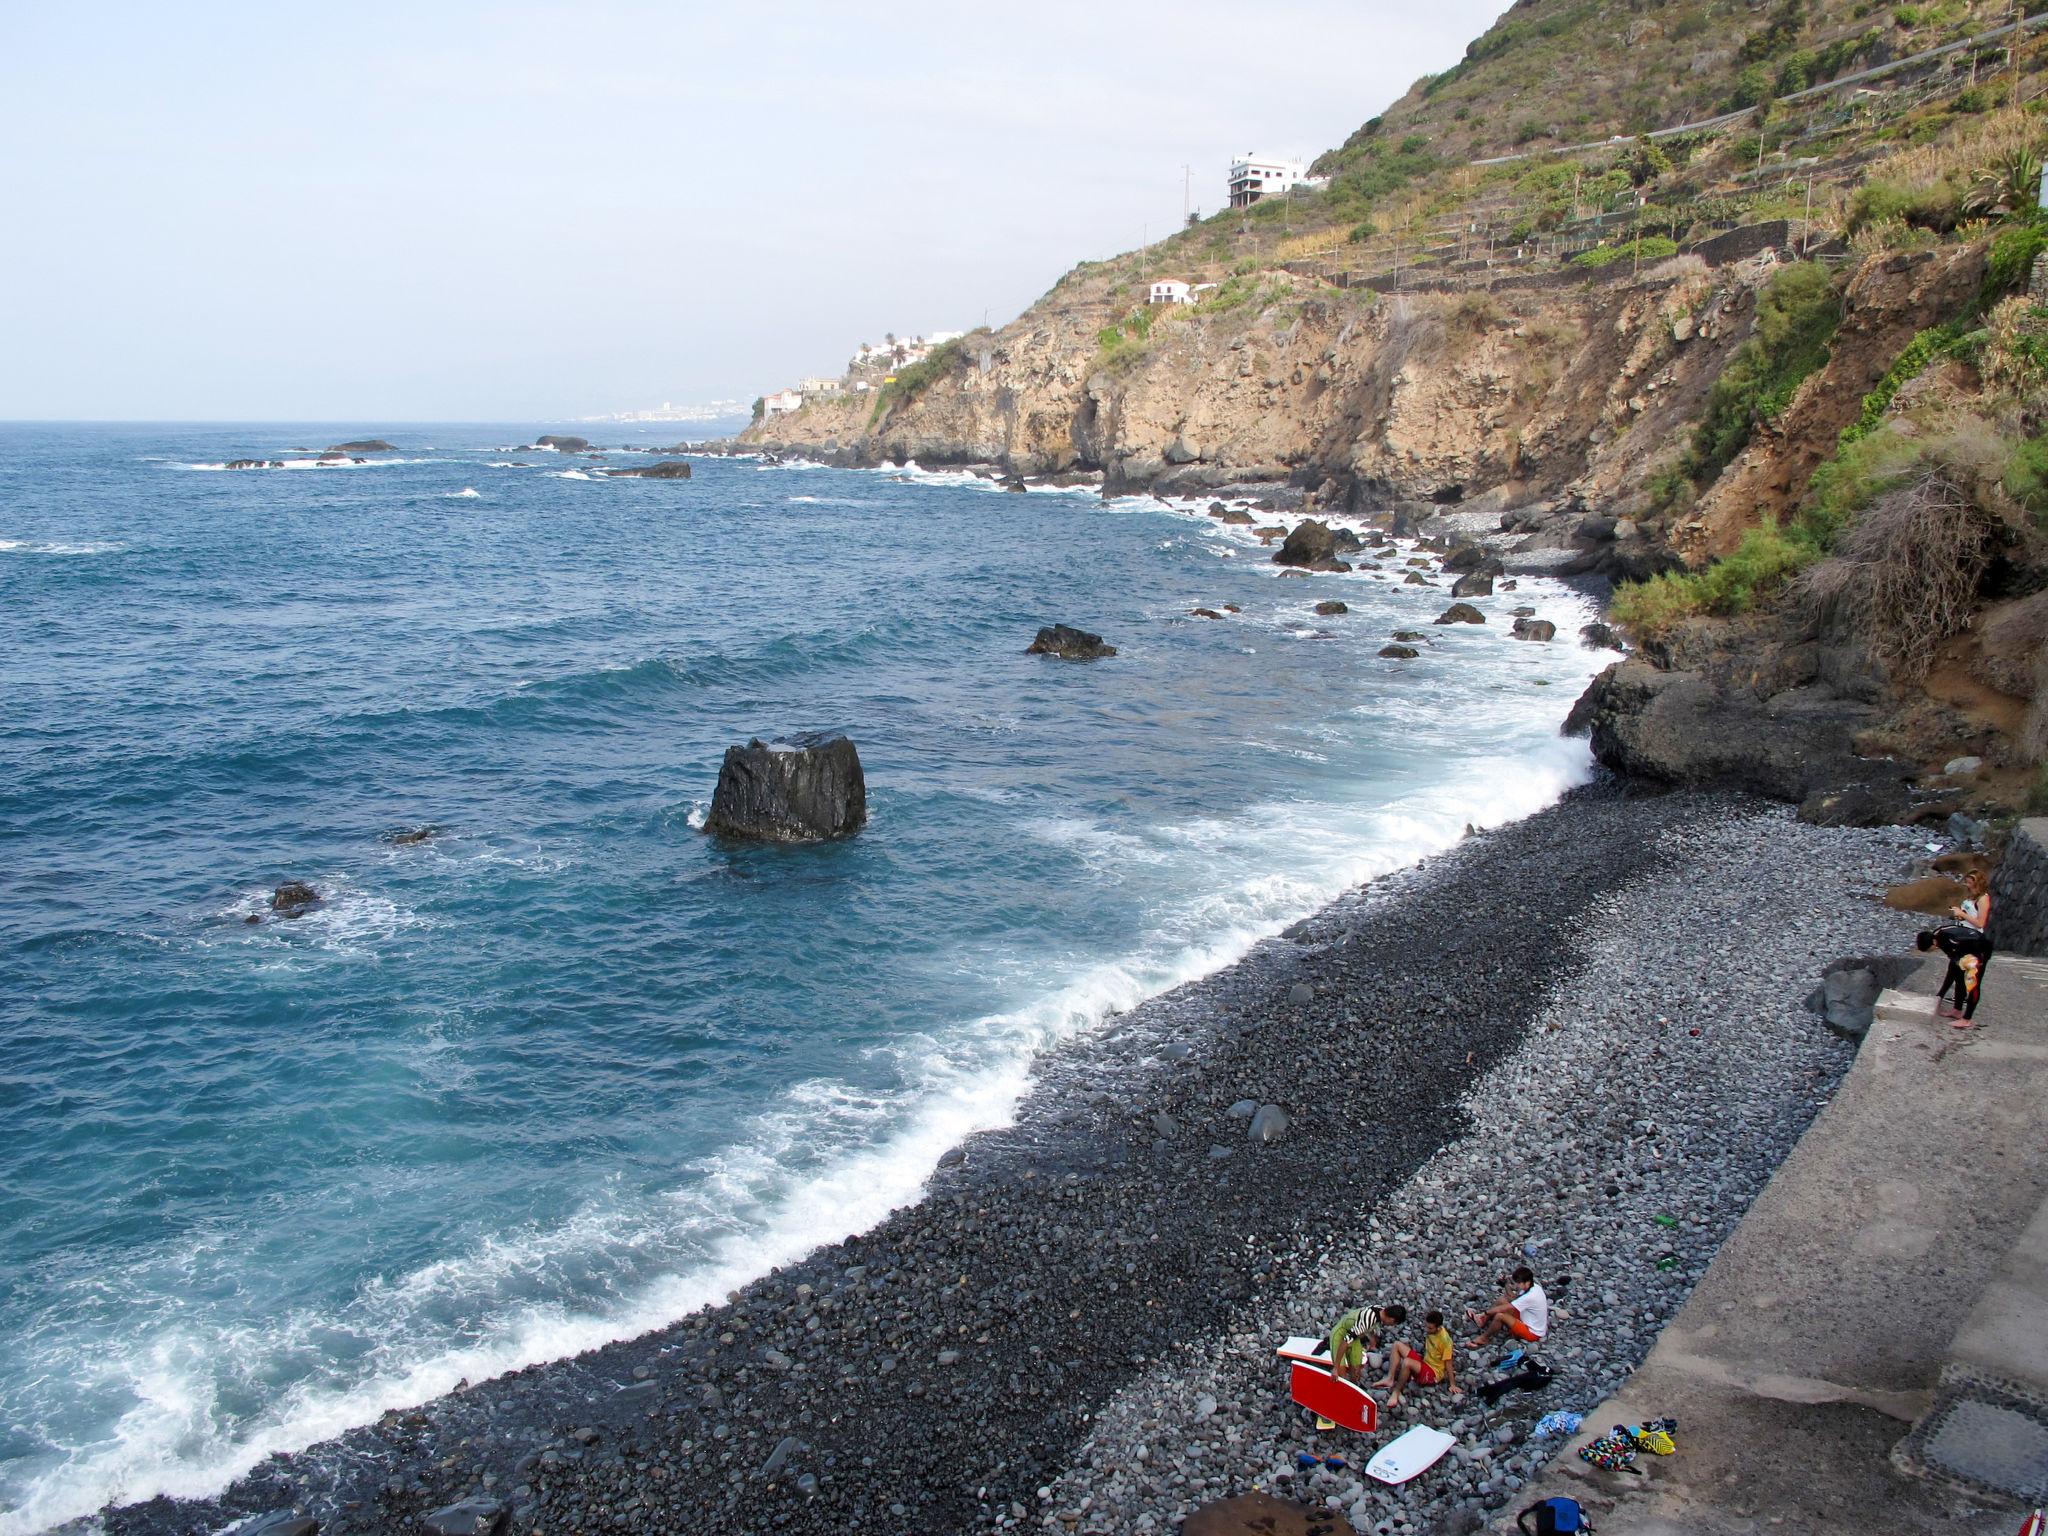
1523, 1310
1433, 1367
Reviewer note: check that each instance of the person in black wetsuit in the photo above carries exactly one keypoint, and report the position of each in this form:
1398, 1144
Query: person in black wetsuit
1968, 950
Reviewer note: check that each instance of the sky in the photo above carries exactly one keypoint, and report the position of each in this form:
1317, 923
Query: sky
471, 212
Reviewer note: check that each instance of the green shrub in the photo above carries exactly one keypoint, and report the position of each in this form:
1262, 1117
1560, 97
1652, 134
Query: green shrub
1795, 319
2011, 260
1911, 362
1653, 248
1875, 202
2026, 476
1363, 231
1529, 129
1861, 469
1760, 565
1752, 89
908, 383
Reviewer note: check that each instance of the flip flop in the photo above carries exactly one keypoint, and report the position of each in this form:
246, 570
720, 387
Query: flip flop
1959, 1022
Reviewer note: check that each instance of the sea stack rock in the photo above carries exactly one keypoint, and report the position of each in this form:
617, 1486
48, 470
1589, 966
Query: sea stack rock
294, 898
806, 791
1068, 643
363, 445
562, 444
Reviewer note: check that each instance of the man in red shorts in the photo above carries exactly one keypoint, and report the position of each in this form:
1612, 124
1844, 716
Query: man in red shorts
1523, 1311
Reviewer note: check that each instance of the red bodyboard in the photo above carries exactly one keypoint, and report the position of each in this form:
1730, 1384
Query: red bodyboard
1341, 1402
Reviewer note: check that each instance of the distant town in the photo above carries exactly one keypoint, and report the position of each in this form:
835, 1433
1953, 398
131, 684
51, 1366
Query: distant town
1252, 177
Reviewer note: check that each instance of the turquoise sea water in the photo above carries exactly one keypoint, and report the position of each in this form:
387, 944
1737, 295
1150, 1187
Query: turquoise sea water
570, 1069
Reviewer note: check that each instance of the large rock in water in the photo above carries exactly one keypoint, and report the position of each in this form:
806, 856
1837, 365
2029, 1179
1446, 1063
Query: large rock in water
365, 445
1071, 644
803, 792
667, 469
294, 898
1309, 542
562, 444
1461, 613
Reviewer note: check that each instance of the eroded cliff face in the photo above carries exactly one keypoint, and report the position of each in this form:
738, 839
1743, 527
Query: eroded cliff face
1568, 392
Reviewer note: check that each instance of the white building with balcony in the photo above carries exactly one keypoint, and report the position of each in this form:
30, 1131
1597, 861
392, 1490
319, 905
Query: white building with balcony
781, 403
1170, 290
1253, 176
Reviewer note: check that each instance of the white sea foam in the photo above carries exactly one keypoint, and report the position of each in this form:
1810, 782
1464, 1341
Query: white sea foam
468, 492
567, 474
337, 462
61, 546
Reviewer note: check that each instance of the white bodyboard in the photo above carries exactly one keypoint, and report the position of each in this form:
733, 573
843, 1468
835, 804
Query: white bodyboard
1308, 1351
1414, 1453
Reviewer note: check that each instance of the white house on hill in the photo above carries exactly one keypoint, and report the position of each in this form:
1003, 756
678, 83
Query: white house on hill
1253, 176
1170, 290
781, 403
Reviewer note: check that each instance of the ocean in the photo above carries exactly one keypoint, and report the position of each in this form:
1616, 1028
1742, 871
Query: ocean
568, 1069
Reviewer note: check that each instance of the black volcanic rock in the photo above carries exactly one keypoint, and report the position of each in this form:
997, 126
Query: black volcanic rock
366, 445
806, 791
667, 469
1068, 643
562, 444
294, 898
1308, 543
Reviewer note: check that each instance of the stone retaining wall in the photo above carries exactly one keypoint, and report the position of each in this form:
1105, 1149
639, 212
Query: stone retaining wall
2019, 892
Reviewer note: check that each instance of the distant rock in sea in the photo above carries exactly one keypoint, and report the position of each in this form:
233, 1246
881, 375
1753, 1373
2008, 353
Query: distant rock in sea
255, 464
562, 444
804, 792
366, 445
295, 898
667, 469
1069, 644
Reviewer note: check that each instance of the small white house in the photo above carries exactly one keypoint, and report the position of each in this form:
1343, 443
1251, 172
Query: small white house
1170, 290
781, 403
1253, 176
818, 387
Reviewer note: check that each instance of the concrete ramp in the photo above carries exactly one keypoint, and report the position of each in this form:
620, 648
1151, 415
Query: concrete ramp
1869, 1349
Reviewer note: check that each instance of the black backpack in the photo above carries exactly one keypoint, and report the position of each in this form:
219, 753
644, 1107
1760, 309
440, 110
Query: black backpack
1554, 1517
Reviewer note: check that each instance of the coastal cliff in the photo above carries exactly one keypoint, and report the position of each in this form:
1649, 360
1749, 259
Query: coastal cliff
1807, 450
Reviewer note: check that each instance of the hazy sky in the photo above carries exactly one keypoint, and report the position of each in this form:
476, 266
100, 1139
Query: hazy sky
480, 212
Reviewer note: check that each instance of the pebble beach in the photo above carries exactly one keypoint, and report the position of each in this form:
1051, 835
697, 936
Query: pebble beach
1579, 1041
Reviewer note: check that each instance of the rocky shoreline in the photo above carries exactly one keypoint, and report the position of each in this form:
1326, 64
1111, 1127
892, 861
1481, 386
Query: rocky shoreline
1544, 1040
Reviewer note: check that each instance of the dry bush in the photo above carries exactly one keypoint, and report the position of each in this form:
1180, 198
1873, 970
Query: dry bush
1672, 268
1905, 576
1967, 149
1477, 312
2014, 360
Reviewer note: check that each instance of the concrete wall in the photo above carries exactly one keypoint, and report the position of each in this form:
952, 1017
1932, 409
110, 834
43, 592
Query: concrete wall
2019, 892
